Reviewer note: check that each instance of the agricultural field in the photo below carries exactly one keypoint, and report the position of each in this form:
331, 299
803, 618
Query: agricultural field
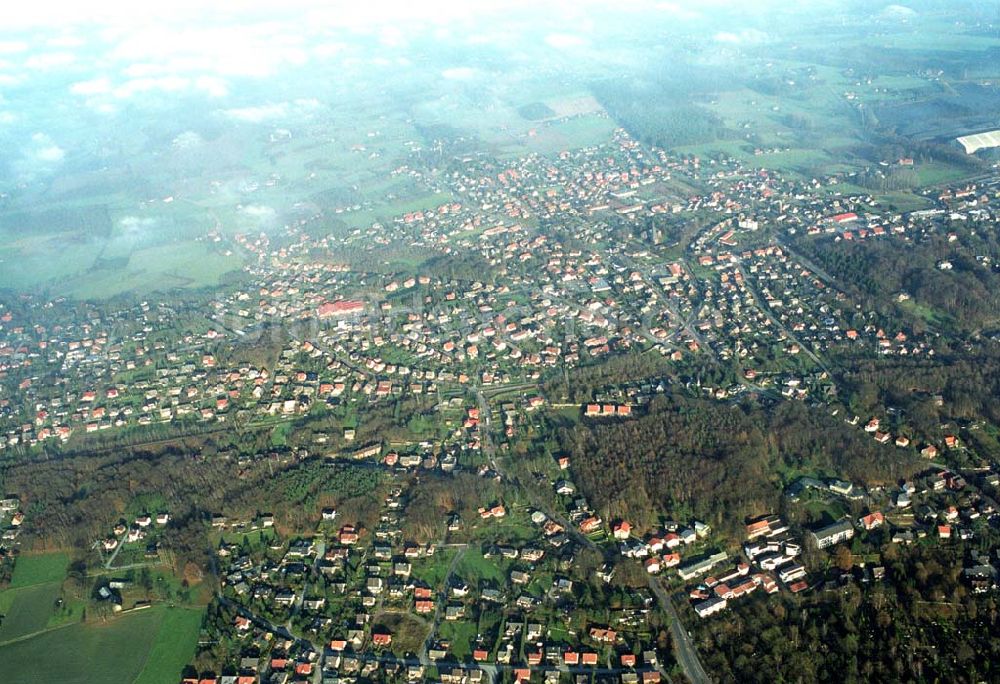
37, 569
149, 646
47, 635
181, 265
35, 601
91, 266
174, 646
34, 609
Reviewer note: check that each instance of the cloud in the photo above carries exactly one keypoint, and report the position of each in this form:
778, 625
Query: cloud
259, 113
8, 47
146, 70
170, 83
898, 12
135, 224
677, 10
392, 36
258, 211
252, 50
212, 86
327, 50
459, 73
43, 149
564, 41
166, 84
95, 86
100, 107
187, 140
744, 37
66, 41
50, 60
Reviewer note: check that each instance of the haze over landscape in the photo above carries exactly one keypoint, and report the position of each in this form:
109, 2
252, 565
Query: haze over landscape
499, 341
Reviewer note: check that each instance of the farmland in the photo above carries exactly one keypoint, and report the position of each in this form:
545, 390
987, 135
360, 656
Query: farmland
503, 352
173, 647
147, 647
48, 636
33, 609
39, 569
34, 601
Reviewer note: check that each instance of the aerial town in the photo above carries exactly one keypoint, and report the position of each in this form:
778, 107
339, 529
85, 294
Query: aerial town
556, 298
569, 342
578, 263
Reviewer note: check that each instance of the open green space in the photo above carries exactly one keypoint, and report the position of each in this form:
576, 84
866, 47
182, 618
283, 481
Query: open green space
433, 571
180, 265
79, 269
474, 568
28, 610
149, 646
255, 538
39, 569
824, 511
174, 646
461, 634
408, 632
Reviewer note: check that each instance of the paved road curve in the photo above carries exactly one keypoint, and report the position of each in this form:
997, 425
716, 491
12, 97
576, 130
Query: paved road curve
685, 651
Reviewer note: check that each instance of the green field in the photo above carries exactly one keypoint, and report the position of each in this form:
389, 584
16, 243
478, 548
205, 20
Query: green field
28, 610
461, 634
580, 131
475, 568
33, 602
904, 201
174, 646
82, 270
389, 210
39, 569
146, 647
179, 265
279, 435
44, 638
825, 511
256, 538
433, 571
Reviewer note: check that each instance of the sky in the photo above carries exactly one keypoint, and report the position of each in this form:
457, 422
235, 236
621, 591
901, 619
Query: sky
50, 13
106, 56
164, 43
120, 49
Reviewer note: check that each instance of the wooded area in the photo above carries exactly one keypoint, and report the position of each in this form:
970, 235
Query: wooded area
718, 462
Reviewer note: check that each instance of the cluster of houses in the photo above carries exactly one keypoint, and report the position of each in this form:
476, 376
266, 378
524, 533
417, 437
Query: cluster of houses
607, 410
546, 303
336, 587
660, 550
715, 593
125, 532
11, 519
944, 505
286, 662
881, 434
771, 555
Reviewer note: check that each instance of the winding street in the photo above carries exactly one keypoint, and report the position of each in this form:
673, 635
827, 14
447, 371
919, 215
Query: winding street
442, 601
684, 650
